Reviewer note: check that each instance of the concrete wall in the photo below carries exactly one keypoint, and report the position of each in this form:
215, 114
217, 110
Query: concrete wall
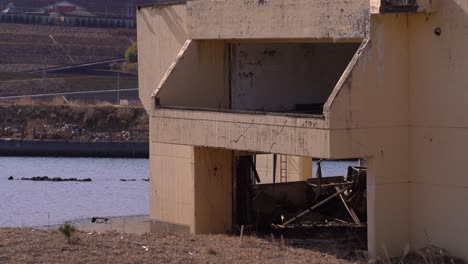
205, 87
260, 19
403, 107
400, 104
298, 168
251, 132
278, 76
161, 34
369, 118
190, 189
172, 188
439, 127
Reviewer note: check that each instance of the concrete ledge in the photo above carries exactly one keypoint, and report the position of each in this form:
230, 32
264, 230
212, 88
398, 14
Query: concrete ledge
254, 132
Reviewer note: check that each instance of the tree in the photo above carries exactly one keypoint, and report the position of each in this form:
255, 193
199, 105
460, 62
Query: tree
131, 55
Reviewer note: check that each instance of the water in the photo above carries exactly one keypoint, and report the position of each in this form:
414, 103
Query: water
334, 168
25, 203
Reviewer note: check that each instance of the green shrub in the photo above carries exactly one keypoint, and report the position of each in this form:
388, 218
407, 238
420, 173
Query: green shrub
131, 55
67, 231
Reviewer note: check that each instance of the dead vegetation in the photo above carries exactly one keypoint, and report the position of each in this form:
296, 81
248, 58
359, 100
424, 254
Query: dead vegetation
53, 119
39, 246
34, 246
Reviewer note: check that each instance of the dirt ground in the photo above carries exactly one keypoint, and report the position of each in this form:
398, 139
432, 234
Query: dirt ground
38, 246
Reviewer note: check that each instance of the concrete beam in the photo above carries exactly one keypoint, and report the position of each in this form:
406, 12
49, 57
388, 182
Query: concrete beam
282, 134
279, 19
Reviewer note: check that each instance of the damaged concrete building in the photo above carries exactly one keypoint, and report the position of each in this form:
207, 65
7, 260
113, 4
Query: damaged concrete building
228, 82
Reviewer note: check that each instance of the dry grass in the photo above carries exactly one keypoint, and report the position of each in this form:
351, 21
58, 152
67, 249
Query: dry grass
56, 119
33, 246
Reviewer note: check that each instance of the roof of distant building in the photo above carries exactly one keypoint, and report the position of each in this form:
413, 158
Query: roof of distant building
66, 7
11, 9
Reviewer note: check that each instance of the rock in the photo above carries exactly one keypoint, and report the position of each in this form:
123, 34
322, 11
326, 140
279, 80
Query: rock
11, 178
56, 179
38, 178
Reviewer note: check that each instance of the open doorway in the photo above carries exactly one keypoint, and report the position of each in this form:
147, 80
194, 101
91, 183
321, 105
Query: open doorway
323, 207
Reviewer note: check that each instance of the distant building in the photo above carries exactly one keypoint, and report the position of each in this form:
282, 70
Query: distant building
65, 8
12, 9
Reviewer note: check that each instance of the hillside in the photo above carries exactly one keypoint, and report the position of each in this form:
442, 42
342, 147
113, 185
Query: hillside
29, 47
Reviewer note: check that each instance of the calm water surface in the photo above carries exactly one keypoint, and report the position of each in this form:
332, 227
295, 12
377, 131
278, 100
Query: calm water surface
24, 203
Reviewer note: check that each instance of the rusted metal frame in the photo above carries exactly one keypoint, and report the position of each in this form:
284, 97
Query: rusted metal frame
274, 167
349, 209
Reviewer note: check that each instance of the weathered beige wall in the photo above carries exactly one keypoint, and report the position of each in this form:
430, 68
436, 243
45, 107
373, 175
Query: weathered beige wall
278, 76
250, 19
369, 119
198, 77
172, 187
439, 127
298, 168
161, 31
401, 106
213, 190
250, 132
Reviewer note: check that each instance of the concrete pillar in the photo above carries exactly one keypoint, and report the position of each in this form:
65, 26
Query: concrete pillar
190, 189
213, 190
387, 210
171, 188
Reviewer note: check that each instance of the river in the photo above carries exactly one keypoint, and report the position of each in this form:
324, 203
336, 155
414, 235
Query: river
27, 204
24, 203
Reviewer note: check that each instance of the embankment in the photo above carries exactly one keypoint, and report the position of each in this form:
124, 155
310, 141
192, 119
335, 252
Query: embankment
51, 128
51, 148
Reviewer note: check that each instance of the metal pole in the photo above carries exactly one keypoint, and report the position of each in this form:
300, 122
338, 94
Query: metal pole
275, 157
349, 209
44, 80
118, 87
